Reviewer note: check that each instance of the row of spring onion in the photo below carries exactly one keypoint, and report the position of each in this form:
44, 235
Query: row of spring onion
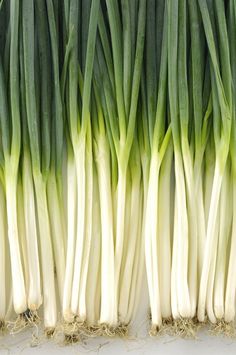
117, 164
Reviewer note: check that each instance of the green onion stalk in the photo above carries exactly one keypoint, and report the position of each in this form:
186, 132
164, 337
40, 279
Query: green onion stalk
11, 138
84, 164
230, 285
132, 230
93, 286
93, 301
174, 303
82, 309
69, 94
81, 140
209, 180
193, 139
120, 114
54, 191
40, 159
164, 231
71, 230
122, 151
144, 146
225, 222
131, 248
138, 271
3, 226
187, 159
138, 193
6, 282
159, 142
222, 121
209, 162
103, 164
89, 31
209, 167
29, 211
210, 286
202, 110
22, 230
71, 73
181, 233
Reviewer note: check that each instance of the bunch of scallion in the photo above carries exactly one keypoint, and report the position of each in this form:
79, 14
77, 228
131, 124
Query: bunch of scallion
117, 165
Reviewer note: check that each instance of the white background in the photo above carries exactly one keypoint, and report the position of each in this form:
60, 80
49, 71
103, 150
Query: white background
204, 345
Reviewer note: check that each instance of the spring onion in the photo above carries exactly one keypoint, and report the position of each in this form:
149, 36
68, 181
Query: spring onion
117, 165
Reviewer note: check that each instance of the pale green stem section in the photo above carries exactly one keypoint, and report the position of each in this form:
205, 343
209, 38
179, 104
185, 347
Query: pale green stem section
164, 233
64, 196
34, 289
47, 262
9, 293
201, 221
88, 225
107, 237
141, 257
57, 230
192, 226
120, 230
174, 278
94, 258
211, 240
138, 271
208, 183
151, 232
210, 285
19, 294
172, 203
183, 296
225, 217
22, 234
127, 225
3, 235
231, 277
131, 248
71, 235
210, 288
79, 151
